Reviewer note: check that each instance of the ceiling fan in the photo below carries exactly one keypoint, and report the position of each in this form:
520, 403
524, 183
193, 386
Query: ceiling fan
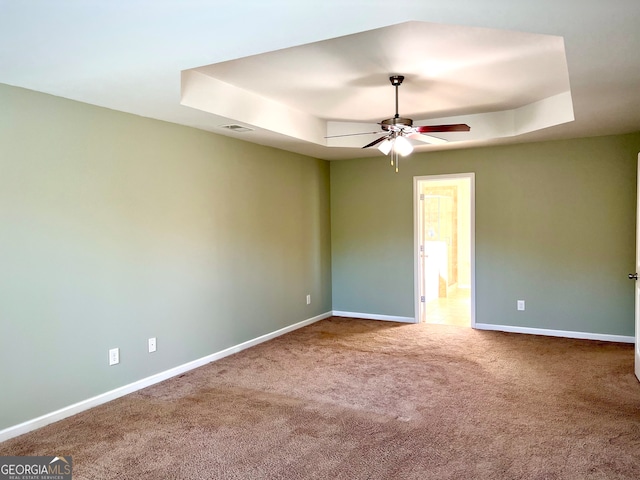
395, 143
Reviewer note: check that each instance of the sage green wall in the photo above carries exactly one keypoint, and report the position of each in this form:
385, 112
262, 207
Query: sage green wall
555, 226
116, 228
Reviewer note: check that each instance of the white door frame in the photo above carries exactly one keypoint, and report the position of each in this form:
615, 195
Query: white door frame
637, 283
416, 238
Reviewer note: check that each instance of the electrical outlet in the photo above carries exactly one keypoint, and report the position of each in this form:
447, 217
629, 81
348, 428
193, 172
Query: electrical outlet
308, 299
521, 305
114, 356
152, 344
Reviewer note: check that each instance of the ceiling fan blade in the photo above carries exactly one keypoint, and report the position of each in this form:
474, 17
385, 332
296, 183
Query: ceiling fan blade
376, 141
427, 139
354, 134
453, 127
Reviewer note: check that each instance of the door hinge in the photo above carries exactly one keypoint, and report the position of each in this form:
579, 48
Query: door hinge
422, 299
422, 196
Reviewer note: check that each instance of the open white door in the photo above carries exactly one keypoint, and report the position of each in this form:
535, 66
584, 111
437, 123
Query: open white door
637, 349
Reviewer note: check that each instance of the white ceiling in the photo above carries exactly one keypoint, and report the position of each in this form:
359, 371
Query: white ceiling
129, 55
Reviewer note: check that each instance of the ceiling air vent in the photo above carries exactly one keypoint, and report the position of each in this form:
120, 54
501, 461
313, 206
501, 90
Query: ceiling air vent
237, 128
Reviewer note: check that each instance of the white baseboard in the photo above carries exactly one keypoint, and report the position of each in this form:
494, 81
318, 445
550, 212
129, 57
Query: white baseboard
83, 405
605, 337
372, 316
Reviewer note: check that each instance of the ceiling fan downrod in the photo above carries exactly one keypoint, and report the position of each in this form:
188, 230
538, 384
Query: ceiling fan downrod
396, 81
397, 123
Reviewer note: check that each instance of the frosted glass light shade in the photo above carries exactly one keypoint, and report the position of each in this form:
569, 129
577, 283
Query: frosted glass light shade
402, 146
385, 146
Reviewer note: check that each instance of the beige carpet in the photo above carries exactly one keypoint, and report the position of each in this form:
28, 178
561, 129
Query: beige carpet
357, 399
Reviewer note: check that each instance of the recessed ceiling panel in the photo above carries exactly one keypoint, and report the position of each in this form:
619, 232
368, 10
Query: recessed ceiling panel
324, 88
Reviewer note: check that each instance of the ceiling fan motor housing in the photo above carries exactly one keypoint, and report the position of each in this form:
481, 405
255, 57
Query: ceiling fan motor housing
396, 124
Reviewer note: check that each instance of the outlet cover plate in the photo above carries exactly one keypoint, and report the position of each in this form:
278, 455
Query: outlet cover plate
114, 356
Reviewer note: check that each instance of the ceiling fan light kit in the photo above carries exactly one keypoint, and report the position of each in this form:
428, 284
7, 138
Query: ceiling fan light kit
386, 146
396, 143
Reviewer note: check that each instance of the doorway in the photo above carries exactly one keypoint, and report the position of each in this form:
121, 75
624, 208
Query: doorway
444, 211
